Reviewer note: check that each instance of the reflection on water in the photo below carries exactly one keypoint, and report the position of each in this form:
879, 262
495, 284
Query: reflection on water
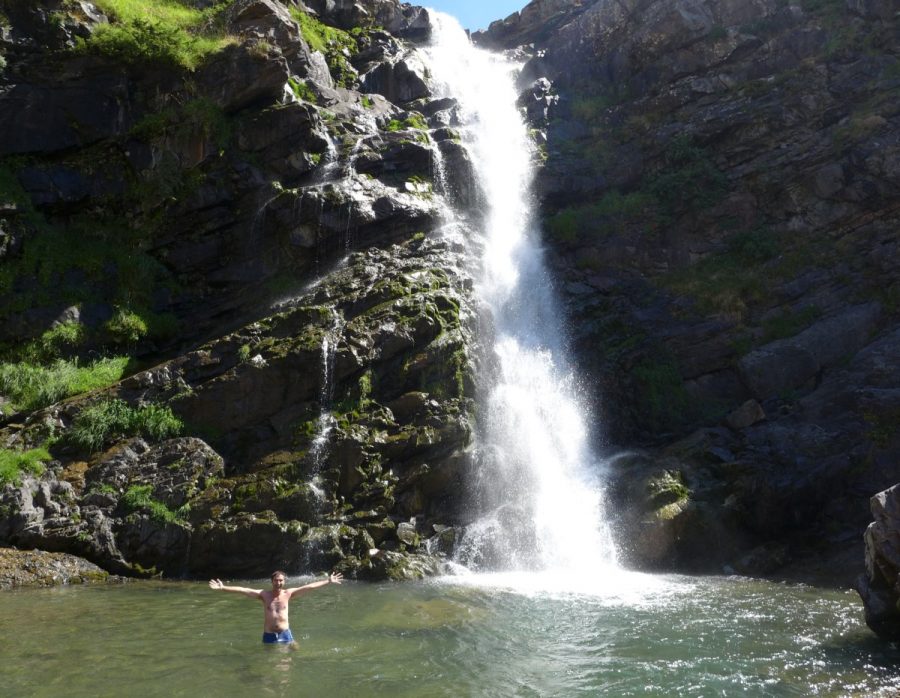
495, 635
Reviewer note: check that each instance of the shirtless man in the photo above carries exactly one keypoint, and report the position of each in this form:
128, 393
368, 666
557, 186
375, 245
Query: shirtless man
275, 603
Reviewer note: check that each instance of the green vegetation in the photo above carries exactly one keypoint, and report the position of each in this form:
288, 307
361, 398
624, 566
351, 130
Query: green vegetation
420, 186
126, 327
727, 282
31, 386
94, 257
170, 32
319, 36
13, 464
849, 36
100, 423
857, 128
197, 116
590, 104
611, 214
59, 340
667, 495
137, 498
667, 488
335, 44
414, 120
789, 323
883, 426
301, 90
688, 182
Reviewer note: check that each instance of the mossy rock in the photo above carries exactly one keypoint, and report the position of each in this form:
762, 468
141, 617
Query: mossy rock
667, 489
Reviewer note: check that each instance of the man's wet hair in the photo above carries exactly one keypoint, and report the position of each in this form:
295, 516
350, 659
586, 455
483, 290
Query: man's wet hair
276, 573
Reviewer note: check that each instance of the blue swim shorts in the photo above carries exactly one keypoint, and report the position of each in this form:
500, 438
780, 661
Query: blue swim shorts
283, 636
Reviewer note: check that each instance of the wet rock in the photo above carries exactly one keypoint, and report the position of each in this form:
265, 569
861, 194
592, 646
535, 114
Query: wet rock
538, 101
406, 533
248, 544
38, 568
390, 565
878, 587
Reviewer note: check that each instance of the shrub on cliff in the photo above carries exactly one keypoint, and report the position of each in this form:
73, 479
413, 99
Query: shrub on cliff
138, 498
101, 423
14, 463
30, 386
333, 43
158, 31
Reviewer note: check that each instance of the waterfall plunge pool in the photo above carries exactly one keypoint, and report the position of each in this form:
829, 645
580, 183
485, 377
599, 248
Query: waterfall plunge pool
626, 634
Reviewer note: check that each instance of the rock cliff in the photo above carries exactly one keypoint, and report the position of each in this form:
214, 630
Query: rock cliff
239, 212
720, 196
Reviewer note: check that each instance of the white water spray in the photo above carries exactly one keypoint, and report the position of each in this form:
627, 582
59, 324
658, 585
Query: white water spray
325, 422
541, 503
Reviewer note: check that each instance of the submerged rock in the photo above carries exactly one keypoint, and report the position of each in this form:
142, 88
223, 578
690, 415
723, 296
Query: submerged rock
38, 568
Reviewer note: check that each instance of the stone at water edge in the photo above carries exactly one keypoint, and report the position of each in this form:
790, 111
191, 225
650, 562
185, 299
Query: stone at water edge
43, 569
879, 587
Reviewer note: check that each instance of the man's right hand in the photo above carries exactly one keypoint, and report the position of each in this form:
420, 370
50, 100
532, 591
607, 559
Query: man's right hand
215, 584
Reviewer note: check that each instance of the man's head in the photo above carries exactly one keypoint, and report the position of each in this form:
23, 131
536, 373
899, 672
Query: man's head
278, 579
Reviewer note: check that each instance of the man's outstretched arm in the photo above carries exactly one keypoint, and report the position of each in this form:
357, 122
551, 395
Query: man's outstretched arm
218, 586
332, 579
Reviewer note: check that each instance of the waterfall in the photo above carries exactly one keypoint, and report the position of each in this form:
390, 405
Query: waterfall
539, 499
325, 422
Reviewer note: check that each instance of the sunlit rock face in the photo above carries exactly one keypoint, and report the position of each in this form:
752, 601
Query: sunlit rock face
719, 199
277, 232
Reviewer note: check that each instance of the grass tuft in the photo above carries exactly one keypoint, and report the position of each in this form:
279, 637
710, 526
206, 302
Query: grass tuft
31, 386
137, 498
13, 464
168, 32
101, 423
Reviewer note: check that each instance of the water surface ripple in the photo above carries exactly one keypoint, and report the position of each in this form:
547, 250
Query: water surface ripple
494, 635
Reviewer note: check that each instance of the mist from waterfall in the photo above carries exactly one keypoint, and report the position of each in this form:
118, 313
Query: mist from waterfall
538, 495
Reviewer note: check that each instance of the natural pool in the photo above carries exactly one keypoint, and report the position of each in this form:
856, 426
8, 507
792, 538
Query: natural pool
501, 635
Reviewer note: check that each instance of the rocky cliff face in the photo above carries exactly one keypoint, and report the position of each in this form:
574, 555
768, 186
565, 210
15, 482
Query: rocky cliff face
247, 230
720, 187
254, 227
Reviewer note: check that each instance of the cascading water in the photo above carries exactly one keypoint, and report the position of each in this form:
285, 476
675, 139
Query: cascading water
540, 501
325, 422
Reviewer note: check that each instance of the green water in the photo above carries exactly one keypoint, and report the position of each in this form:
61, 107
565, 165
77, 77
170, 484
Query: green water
628, 635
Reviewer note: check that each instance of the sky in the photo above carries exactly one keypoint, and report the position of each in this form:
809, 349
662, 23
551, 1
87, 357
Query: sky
475, 14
